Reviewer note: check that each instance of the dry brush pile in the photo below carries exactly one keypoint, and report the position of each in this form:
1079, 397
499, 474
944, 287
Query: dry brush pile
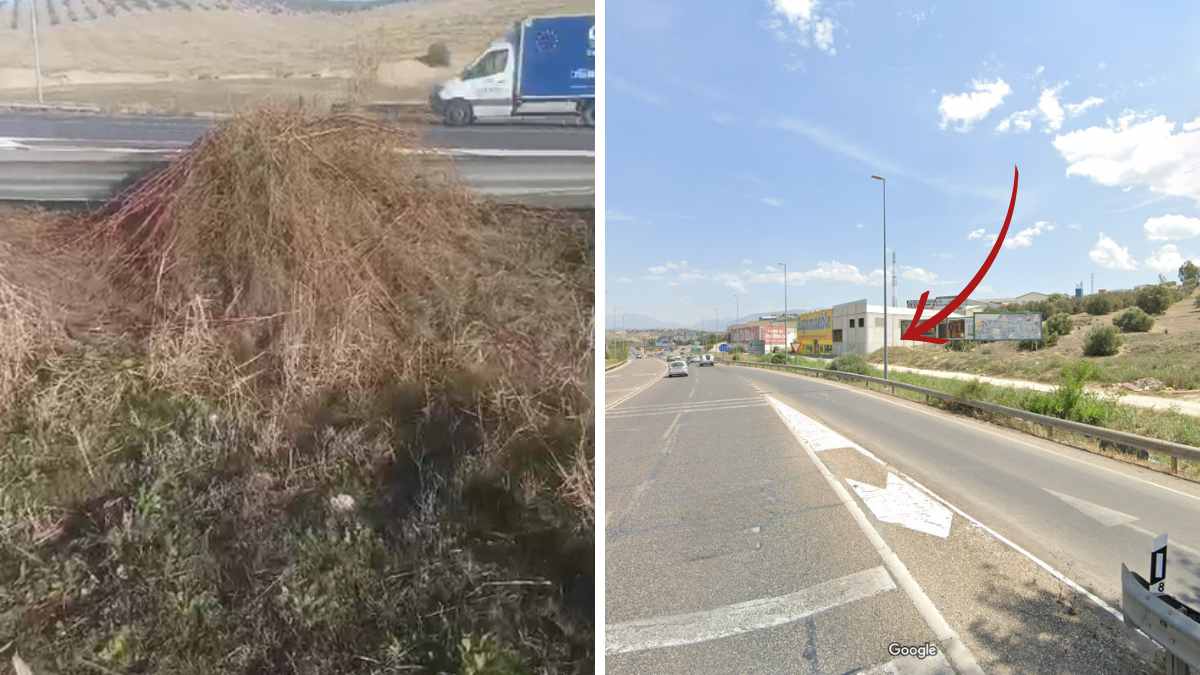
306, 407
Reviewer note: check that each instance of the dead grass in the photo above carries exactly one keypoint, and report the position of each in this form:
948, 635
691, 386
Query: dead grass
293, 312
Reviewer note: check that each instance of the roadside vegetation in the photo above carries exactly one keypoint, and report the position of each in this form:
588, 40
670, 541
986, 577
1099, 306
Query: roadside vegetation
1144, 339
289, 406
1069, 400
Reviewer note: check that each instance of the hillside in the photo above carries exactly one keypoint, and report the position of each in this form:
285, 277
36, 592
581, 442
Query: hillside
1164, 360
208, 54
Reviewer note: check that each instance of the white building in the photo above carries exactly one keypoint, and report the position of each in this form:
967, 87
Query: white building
858, 327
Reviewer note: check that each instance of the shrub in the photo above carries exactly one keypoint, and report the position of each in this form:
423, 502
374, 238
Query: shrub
1097, 305
778, 357
1030, 345
1154, 299
1101, 341
959, 346
1134, 320
851, 363
437, 56
1058, 324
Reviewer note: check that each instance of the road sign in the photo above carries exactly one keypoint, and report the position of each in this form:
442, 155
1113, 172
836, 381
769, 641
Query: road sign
1158, 565
1008, 326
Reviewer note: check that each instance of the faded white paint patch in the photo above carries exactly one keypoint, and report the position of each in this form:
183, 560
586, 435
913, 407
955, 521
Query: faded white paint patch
744, 617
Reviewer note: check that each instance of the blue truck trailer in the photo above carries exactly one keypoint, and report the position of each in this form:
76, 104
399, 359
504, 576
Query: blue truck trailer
545, 66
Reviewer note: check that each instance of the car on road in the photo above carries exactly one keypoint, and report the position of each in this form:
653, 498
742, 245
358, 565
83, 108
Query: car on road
677, 368
693, 359
707, 360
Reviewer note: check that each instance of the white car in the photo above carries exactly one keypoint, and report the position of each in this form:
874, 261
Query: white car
707, 360
677, 368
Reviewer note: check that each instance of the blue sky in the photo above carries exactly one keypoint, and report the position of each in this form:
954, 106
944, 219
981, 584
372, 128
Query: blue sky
743, 134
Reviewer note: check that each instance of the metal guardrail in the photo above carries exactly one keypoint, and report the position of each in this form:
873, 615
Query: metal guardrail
1167, 621
1136, 441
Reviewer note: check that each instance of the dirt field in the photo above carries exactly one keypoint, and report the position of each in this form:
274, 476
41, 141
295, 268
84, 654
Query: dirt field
1165, 359
193, 55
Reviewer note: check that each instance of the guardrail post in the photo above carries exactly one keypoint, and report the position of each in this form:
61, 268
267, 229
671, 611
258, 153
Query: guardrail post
1174, 465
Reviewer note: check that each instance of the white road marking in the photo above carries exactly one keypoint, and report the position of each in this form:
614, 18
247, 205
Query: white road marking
696, 409
674, 424
902, 504
818, 436
1174, 544
633, 393
692, 393
1017, 547
983, 427
911, 665
664, 406
960, 656
744, 617
1101, 514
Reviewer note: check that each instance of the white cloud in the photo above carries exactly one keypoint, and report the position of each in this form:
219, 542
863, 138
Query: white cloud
1051, 110
668, 266
747, 261
858, 226
691, 276
944, 256
733, 281
771, 201
1024, 238
1171, 227
1022, 120
1136, 151
1077, 109
802, 22
624, 280
1039, 70
1074, 226
965, 109
1111, 255
1167, 260
918, 274
722, 118
976, 234
1192, 126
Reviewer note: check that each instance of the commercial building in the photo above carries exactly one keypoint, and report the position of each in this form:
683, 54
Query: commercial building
760, 337
857, 327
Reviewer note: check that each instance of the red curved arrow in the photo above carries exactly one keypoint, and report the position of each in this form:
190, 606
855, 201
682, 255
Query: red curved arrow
917, 329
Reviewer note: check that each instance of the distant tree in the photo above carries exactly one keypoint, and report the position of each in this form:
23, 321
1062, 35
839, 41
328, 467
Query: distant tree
1058, 324
1189, 274
1154, 299
1097, 304
1134, 320
1101, 341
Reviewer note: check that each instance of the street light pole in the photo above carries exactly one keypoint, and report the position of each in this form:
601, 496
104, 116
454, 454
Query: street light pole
885, 305
37, 52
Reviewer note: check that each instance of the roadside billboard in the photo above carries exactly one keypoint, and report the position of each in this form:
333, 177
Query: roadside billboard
814, 332
1000, 327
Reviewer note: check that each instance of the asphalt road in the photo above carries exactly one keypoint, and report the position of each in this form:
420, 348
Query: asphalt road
125, 130
720, 492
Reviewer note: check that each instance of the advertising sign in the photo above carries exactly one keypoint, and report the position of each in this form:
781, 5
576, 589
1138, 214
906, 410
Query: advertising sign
559, 57
1008, 326
814, 332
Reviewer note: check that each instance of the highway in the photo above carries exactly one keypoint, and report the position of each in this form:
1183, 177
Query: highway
123, 131
737, 498
83, 158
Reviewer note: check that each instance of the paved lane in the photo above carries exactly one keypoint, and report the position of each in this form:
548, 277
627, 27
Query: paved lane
711, 507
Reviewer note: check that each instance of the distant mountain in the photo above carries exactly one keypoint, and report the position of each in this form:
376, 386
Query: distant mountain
638, 322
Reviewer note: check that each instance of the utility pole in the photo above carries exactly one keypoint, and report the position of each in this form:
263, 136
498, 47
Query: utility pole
1093, 283
37, 53
885, 305
737, 299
